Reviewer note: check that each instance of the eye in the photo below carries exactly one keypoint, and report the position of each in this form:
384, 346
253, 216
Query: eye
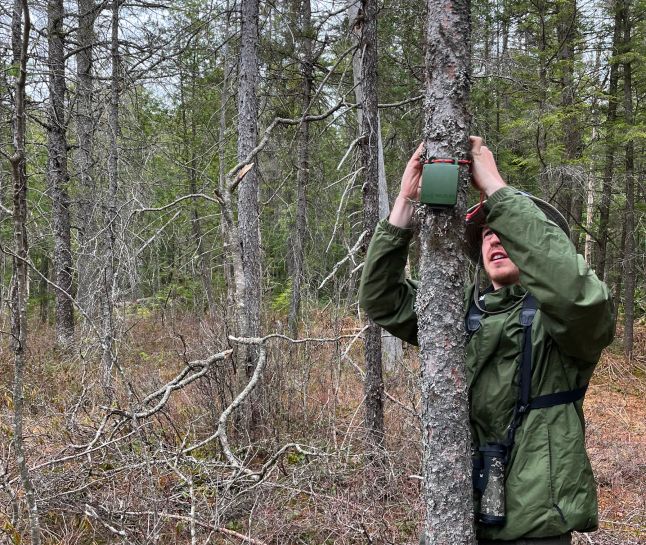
487, 233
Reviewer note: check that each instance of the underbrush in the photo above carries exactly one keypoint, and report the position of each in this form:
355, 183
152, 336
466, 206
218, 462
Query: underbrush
103, 476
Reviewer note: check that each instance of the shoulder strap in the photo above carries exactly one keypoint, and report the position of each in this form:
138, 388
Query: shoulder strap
472, 321
527, 313
524, 404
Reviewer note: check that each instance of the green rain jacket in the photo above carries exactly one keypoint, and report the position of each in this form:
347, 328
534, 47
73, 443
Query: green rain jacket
549, 488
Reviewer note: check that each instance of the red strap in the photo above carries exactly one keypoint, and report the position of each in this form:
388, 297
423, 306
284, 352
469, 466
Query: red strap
476, 209
460, 161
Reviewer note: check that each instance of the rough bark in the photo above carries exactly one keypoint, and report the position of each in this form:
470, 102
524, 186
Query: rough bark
365, 27
110, 231
19, 287
572, 192
248, 193
57, 175
86, 258
391, 346
446, 465
611, 147
303, 174
228, 248
629, 211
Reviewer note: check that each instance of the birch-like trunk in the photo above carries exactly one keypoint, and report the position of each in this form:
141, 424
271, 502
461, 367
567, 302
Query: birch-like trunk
446, 466
19, 287
57, 176
86, 259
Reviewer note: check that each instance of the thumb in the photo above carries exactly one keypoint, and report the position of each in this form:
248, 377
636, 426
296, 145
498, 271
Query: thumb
476, 144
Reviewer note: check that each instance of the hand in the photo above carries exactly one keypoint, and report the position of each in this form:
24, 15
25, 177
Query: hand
411, 179
485, 175
402, 211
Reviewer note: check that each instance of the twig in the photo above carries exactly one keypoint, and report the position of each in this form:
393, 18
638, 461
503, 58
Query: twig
353, 250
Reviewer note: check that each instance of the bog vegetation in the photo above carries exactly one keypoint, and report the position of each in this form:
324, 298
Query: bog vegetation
181, 234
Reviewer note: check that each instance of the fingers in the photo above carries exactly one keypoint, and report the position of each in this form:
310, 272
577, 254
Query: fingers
417, 153
476, 144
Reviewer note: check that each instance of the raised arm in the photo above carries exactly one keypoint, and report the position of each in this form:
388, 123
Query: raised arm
385, 293
576, 305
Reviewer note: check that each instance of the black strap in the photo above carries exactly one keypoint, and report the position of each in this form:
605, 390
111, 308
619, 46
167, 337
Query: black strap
474, 314
527, 313
472, 321
557, 398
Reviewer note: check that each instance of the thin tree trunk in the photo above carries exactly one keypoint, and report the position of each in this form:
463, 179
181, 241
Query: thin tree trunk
57, 175
303, 174
629, 213
365, 28
232, 302
391, 346
86, 258
446, 464
108, 277
248, 226
19, 287
248, 192
572, 199
611, 146
190, 161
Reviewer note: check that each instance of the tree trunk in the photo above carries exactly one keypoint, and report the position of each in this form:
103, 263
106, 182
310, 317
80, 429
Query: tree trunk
86, 258
190, 161
57, 176
108, 276
303, 174
248, 192
446, 465
571, 186
391, 346
232, 302
19, 287
365, 28
629, 213
611, 146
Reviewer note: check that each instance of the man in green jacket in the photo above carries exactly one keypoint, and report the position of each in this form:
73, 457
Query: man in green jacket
523, 246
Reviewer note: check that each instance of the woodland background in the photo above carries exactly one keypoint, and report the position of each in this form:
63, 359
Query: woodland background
139, 272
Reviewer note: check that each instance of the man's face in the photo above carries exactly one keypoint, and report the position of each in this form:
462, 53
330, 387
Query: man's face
501, 270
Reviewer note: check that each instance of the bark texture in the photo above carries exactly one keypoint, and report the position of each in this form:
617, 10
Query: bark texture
629, 212
611, 148
248, 208
248, 228
365, 27
86, 259
110, 231
19, 287
57, 175
446, 466
303, 174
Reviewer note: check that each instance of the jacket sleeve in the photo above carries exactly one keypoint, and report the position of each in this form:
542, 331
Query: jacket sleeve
576, 305
385, 293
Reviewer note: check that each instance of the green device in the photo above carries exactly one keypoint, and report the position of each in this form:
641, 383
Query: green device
440, 183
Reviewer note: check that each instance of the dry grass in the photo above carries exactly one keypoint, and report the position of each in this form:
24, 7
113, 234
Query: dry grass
138, 486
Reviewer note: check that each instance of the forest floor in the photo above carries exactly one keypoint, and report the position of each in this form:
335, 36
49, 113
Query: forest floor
134, 487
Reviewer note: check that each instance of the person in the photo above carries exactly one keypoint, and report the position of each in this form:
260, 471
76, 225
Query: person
523, 245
